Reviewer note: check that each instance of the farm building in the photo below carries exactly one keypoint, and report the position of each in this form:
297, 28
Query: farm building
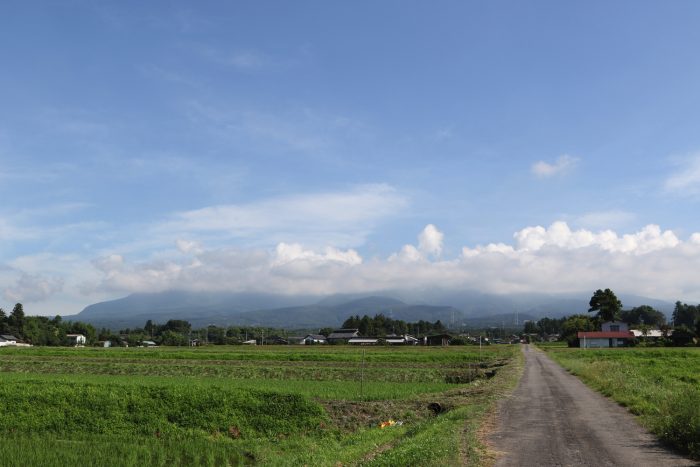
401, 340
314, 339
603, 339
438, 339
612, 334
148, 344
76, 340
341, 336
363, 340
651, 333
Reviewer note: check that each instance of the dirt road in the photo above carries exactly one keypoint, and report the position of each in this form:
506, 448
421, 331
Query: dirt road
553, 419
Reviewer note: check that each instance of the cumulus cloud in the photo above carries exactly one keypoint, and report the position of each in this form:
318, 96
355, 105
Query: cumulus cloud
553, 259
33, 288
559, 235
562, 165
430, 240
285, 254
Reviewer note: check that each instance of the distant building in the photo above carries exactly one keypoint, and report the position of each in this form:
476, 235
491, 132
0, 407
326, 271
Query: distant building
76, 340
401, 340
651, 333
438, 339
342, 336
612, 334
363, 340
614, 326
148, 344
314, 339
276, 340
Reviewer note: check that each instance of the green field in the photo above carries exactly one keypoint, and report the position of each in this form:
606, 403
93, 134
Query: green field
273, 405
661, 385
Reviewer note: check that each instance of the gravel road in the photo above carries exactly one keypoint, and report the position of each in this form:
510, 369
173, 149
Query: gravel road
553, 419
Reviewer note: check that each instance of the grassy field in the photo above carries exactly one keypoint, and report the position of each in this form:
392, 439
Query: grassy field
272, 405
661, 385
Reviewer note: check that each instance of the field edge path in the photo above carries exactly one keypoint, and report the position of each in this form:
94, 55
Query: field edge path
553, 419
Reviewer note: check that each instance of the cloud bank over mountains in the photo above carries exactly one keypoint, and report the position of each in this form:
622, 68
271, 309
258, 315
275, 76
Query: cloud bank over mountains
555, 259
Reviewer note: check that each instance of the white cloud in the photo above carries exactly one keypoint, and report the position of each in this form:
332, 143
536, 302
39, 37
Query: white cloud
408, 253
186, 246
430, 240
559, 235
33, 288
341, 218
686, 180
556, 259
285, 253
562, 165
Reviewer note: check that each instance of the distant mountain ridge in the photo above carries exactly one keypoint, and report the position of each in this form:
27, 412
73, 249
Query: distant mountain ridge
463, 308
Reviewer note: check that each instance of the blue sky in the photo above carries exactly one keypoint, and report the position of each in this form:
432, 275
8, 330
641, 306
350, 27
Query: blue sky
324, 146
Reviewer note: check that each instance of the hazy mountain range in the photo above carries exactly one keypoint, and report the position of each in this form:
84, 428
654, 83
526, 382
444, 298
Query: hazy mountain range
464, 308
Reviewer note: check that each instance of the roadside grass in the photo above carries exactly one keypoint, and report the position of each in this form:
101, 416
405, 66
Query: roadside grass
181, 413
660, 385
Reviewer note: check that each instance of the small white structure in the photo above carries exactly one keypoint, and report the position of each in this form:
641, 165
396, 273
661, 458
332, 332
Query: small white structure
6, 340
76, 340
250, 342
363, 340
406, 339
651, 333
314, 339
149, 344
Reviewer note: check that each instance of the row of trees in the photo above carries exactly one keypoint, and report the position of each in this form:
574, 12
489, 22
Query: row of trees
42, 330
180, 333
686, 320
381, 325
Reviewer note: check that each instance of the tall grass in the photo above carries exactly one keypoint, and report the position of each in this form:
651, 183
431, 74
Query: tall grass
661, 385
73, 408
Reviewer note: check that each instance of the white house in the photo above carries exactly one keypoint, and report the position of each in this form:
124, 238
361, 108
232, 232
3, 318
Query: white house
314, 339
76, 339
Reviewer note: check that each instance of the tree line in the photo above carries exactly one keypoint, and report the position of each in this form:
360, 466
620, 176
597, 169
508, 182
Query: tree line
42, 330
381, 325
53, 331
685, 326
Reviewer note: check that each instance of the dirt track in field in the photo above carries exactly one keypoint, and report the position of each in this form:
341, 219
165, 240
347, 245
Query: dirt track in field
553, 419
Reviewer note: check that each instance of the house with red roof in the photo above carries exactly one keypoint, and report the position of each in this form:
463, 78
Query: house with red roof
612, 334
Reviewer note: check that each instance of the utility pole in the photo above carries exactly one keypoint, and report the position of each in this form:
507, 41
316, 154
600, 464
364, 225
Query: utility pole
362, 375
